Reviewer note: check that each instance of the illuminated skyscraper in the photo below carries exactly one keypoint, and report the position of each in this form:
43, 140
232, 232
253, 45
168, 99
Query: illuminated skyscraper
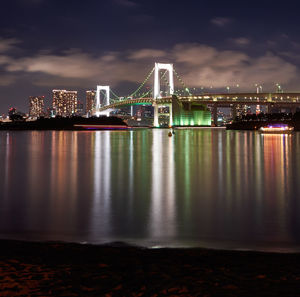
36, 106
64, 102
90, 102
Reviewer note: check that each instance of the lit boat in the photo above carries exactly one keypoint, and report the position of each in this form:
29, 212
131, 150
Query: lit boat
277, 129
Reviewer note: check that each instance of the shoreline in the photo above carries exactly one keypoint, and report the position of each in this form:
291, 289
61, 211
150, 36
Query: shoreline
231, 246
117, 269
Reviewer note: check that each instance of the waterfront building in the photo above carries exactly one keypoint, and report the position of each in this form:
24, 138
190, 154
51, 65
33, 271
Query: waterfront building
90, 102
36, 106
64, 102
12, 111
242, 110
190, 114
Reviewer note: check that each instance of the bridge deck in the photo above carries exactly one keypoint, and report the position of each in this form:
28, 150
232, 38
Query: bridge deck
219, 99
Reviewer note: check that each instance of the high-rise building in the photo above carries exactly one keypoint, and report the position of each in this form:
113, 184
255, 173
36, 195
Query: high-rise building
36, 106
90, 102
64, 102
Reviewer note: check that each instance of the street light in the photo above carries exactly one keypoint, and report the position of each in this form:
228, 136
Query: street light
258, 88
278, 88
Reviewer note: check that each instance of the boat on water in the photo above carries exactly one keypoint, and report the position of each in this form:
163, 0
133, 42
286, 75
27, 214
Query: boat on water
276, 129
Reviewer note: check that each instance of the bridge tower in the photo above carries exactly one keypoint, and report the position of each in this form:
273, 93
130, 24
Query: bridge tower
106, 89
156, 91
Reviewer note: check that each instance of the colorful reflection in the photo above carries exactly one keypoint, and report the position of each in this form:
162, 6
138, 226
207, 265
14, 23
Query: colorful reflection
162, 212
200, 187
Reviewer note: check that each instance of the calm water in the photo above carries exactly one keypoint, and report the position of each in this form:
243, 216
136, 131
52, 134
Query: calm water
202, 187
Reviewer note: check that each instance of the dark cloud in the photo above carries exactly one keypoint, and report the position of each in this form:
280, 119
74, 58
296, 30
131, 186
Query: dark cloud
8, 44
126, 3
7, 80
33, 1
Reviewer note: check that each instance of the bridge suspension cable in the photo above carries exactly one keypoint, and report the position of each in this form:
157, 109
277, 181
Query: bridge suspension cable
163, 77
182, 82
179, 79
115, 95
142, 84
117, 98
110, 99
144, 94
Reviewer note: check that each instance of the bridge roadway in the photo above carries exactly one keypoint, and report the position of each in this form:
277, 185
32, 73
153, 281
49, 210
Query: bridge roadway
282, 100
232, 100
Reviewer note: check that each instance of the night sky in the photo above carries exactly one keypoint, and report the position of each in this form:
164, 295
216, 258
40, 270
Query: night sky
75, 45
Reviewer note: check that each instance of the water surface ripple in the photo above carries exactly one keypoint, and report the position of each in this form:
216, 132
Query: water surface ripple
202, 187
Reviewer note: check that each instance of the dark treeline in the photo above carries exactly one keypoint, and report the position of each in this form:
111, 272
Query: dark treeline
268, 117
254, 122
60, 123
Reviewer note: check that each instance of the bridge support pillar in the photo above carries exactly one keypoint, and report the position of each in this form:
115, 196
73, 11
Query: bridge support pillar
170, 116
155, 122
269, 108
293, 109
215, 114
233, 111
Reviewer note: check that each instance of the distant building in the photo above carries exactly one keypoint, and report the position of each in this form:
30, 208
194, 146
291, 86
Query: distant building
90, 102
36, 106
12, 111
80, 110
64, 103
50, 113
242, 110
15, 115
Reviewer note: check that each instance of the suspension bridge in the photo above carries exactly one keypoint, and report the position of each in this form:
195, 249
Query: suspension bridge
185, 108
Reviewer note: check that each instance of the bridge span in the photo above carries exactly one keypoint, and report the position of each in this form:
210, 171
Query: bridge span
215, 100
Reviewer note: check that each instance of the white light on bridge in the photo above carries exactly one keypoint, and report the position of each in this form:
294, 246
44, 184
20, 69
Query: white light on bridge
158, 67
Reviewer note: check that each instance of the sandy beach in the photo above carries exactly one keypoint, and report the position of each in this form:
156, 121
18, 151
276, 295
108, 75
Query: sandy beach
67, 269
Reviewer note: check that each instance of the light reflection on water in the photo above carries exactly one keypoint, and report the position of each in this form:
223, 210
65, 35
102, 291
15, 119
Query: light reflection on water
201, 187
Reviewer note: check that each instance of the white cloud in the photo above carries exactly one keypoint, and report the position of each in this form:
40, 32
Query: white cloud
203, 65
146, 53
198, 65
221, 21
4, 60
8, 44
241, 41
7, 79
106, 69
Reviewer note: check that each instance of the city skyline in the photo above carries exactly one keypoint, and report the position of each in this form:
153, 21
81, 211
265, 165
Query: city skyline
149, 148
44, 46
